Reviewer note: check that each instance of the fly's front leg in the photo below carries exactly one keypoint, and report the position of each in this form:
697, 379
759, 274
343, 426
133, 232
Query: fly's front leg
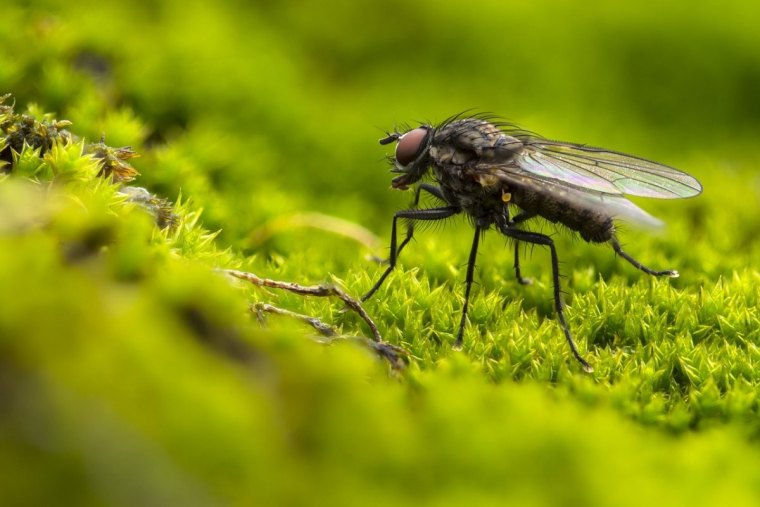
542, 239
432, 214
430, 189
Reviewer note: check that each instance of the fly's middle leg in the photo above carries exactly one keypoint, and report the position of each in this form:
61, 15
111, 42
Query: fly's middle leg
521, 217
542, 239
468, 284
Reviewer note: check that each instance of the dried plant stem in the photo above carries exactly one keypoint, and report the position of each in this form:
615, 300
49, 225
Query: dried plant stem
321, 327
394, 354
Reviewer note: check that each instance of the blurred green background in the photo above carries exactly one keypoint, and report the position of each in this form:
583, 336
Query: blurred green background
285, 100
259, 112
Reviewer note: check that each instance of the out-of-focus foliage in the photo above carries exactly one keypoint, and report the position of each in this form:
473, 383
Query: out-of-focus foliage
132, 372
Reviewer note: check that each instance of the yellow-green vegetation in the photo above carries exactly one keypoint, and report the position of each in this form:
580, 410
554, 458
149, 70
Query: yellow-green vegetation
148, 146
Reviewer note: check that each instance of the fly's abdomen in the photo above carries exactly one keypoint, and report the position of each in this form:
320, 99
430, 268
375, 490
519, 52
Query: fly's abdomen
560, 206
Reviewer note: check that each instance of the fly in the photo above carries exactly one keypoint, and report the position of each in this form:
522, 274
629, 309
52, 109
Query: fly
486, 169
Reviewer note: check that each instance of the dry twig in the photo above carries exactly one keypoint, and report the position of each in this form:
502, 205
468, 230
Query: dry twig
397, 356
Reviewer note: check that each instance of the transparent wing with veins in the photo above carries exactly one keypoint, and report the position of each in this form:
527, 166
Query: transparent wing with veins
588, 177
605, 171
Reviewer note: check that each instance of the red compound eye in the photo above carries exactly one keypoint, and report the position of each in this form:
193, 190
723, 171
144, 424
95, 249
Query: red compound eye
410, 145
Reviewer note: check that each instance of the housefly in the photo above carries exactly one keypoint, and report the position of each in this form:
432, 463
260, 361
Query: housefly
501, 176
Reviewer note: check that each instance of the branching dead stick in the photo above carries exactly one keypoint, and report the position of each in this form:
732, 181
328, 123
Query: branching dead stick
322, 328
324, 290
397, 356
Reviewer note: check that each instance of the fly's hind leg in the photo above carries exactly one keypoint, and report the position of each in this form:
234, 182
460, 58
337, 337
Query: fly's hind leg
619, 250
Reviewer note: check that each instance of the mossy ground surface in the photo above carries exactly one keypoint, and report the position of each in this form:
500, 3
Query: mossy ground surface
133, 371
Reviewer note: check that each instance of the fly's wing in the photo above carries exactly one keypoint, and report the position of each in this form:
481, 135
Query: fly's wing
600, 170
606, 204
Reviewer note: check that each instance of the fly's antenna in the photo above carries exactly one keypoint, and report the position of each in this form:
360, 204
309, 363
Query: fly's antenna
390, 138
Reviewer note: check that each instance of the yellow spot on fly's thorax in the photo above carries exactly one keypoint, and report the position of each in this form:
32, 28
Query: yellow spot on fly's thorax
506, 196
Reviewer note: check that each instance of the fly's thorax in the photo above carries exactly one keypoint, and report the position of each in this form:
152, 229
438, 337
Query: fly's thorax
484, 203
472, 141
471, 133
446, 154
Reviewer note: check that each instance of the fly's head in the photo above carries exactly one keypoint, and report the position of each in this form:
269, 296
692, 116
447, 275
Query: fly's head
412, 159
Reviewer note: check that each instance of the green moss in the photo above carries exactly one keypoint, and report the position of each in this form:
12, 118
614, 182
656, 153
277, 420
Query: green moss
133, 372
